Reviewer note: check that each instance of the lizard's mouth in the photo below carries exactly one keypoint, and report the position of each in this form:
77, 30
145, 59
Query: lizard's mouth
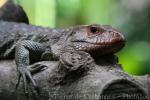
99, 49
97, 40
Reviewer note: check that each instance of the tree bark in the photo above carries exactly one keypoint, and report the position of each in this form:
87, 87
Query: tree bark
99, 82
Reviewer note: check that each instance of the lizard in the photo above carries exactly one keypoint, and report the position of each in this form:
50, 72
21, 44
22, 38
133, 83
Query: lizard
26, 46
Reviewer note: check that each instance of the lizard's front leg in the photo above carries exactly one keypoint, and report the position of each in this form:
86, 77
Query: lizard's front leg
22, 58
75, 60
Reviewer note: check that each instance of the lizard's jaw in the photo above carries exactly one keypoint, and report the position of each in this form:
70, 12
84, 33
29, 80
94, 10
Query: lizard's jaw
100, 48
97, 39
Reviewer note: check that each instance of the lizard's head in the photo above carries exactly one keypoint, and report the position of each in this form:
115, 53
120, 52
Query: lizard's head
97, 39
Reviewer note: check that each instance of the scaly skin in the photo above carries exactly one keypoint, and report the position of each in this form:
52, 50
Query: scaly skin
29, 47
98, 39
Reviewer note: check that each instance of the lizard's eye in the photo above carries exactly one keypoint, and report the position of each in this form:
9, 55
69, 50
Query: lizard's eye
93, 29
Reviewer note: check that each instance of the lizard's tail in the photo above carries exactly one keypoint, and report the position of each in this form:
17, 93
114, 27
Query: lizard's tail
9, 11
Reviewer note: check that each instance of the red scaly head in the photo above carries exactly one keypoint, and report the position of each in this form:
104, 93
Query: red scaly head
97, 39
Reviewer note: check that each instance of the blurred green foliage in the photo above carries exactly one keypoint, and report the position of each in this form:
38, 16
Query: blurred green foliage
132, 17
40, 12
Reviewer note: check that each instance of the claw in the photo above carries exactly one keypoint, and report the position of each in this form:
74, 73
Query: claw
32, 80
25, 83
37, 68
27, 73
18, 81
24, 73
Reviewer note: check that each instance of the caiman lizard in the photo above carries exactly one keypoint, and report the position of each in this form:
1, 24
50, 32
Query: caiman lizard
27, 47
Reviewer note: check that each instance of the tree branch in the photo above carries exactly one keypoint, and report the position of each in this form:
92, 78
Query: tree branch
97, 82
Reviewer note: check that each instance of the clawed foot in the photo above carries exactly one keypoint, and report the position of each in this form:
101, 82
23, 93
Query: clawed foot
26, 74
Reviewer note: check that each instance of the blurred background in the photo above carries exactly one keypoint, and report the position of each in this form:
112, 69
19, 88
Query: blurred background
132, 17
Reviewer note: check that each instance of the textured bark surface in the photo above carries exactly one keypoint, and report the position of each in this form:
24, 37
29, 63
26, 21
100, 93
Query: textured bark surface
99, 82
